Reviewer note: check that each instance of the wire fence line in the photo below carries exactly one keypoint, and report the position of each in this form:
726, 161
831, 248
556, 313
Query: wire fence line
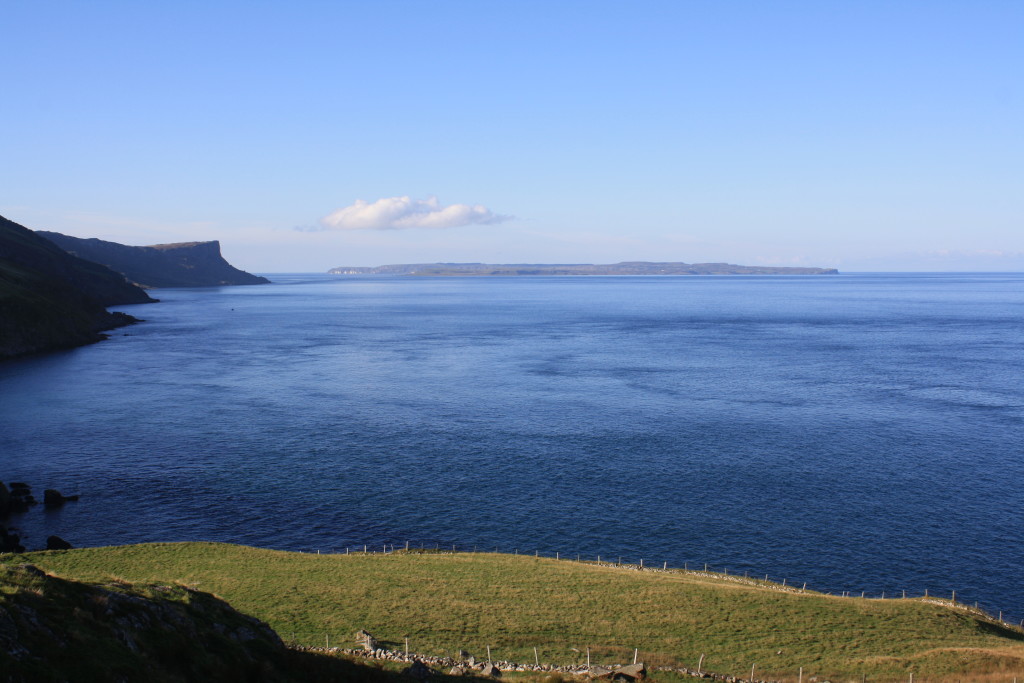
589, 659
947, 598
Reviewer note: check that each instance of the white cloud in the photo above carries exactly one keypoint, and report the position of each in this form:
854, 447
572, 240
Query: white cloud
399, 213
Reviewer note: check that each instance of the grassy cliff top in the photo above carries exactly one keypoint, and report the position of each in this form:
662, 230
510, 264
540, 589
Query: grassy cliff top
447, 602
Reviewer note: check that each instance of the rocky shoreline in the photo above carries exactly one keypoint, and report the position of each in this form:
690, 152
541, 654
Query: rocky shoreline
19, 499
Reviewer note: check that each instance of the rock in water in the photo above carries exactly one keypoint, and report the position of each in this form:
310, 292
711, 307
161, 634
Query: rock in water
52, 498
57, 543
10, 543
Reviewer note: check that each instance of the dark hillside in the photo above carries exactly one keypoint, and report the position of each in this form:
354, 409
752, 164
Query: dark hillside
52, 629
50, 299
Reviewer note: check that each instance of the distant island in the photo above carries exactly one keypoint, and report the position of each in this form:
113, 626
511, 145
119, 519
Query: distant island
623, 268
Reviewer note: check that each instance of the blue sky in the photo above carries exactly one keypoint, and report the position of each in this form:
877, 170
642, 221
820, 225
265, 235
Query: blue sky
307, 135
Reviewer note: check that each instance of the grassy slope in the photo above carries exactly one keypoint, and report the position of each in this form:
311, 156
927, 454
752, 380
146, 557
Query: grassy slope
513, 603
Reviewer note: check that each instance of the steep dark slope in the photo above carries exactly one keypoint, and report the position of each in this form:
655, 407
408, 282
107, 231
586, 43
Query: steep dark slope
52, 629
50, 299
188, 264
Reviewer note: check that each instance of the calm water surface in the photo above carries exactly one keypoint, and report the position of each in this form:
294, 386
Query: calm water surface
857, 432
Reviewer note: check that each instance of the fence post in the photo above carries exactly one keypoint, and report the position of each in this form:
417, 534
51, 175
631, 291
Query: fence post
700, 663
588, 657
536, 658
488, 654
636, 653
800, 679
752, 671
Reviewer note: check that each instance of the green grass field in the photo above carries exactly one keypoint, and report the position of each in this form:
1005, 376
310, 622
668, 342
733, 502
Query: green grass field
448, 602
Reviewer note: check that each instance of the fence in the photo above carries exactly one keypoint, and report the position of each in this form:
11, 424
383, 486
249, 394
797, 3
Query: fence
595, 660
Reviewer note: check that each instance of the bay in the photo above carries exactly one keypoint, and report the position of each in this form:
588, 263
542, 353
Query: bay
858, 432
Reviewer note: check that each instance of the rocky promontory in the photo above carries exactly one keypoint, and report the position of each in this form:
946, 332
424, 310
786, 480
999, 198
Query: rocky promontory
183, 264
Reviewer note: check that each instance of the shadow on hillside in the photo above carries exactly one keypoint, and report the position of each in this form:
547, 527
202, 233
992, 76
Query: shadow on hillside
313, 667
1001, 630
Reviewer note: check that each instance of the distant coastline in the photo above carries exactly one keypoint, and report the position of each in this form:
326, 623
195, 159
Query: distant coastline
622, 268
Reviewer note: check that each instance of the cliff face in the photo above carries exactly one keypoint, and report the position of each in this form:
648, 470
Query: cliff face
187, 264
50, 299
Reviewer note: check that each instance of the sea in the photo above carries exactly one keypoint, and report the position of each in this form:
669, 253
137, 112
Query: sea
854, 432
